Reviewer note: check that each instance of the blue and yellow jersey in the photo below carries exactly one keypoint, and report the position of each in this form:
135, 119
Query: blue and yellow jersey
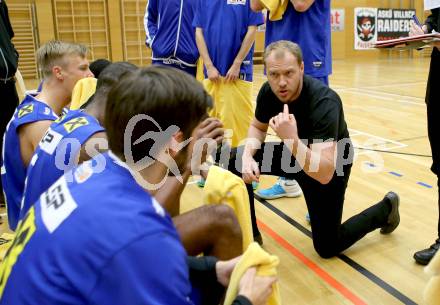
99, 239
13, 171
57, 153
225, 24
311, 30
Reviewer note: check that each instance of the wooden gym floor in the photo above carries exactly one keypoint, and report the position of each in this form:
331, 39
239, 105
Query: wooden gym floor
385, 111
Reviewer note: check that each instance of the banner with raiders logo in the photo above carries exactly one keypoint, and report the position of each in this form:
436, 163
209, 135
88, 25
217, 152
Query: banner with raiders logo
365, 30
377, 24
393, 23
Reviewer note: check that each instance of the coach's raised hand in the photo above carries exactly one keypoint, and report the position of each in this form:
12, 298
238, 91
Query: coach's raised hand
284, 125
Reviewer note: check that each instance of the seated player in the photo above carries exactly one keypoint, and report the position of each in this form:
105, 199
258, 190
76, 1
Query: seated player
97, 66
62, 65
70, 139
101, 238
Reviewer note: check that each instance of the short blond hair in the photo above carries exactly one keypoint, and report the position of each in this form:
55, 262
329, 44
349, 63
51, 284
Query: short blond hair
53, 52
284, 45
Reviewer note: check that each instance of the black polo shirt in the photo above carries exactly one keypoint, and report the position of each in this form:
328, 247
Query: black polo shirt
318, 111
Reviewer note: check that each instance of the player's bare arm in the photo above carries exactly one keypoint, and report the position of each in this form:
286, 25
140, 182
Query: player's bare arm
30, 135
302, 5
257, 6
213, 73
95, 145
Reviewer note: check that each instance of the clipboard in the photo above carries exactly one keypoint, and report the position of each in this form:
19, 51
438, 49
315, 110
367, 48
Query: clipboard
413, 42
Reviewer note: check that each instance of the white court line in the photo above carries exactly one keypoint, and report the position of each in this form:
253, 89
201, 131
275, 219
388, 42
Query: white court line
354, 133
355, 91
370, 149
385, 140
395, 95
378, 96
390, 85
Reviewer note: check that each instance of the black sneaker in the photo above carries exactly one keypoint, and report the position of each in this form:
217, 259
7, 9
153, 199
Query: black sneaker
259, 239
423, 257
2, 200
394, 216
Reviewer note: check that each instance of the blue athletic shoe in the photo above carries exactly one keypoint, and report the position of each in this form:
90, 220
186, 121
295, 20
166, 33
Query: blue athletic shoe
255, 185
282, 188
201, 183
308, 217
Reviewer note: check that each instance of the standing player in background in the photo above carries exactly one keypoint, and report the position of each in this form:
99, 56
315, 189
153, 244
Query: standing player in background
225, 35
170, 34
307, 23
62, 65
8, 66
433, 111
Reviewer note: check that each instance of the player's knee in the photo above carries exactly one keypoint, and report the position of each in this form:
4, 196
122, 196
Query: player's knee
325, 250
226, 219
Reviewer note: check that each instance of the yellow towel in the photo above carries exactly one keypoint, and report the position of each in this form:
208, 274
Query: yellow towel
5, 242
266, 266
222, 186
276, 8
82, 91
232, 106
200, 76
432, 290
